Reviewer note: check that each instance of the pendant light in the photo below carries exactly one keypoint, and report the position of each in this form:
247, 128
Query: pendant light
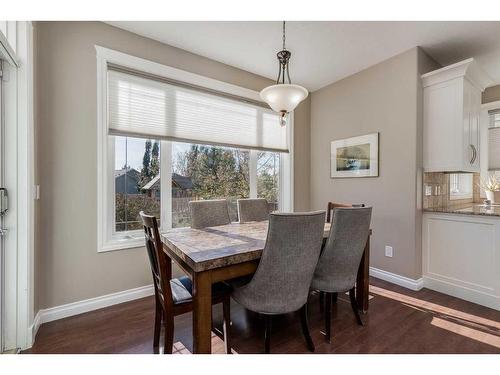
283, 97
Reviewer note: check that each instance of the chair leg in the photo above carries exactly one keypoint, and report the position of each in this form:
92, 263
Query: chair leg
226, 312
267, 334
321, 300
157, 328
354, 305
328, 316
305, 328
168, 326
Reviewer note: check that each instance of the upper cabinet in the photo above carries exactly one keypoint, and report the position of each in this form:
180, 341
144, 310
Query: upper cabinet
452, 108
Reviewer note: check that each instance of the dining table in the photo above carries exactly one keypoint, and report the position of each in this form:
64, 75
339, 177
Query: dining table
225, 252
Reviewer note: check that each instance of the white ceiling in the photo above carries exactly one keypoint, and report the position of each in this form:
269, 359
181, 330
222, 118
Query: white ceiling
325, 52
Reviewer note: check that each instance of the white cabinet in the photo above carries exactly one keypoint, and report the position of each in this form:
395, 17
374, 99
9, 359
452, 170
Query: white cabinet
452, 108
461, 256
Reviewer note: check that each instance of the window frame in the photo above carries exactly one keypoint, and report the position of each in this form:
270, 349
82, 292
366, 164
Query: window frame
461, 180
484, 124
107, 238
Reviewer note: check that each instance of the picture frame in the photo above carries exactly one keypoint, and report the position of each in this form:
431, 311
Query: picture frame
355, 157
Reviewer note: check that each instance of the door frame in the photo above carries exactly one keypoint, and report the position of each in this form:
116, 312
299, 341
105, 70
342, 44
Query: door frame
19, 177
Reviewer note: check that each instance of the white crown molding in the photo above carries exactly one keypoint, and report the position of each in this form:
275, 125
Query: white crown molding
469, 69
393, 278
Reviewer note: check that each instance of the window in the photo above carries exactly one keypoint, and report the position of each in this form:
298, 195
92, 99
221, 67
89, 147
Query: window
460, 186
207, 172
166, 137
137, 181
494, 140
268, 172
494, 118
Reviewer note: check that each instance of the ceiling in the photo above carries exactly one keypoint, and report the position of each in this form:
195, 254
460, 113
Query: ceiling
325, 52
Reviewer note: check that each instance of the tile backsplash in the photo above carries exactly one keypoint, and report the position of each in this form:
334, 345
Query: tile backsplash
437, 184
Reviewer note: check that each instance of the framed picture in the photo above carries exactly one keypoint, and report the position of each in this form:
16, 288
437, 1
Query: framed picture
354, 157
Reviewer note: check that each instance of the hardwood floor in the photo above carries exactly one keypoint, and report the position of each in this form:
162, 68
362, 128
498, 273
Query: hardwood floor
399, 321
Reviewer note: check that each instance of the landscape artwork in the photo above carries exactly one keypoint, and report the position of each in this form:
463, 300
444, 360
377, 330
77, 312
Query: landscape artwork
355, 157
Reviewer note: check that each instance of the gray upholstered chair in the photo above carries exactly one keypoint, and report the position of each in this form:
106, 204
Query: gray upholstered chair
329, 214
333, 205
253, 209
339, 262
209, 213
281, 282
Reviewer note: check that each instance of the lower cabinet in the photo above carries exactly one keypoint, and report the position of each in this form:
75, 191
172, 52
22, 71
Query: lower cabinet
461, 256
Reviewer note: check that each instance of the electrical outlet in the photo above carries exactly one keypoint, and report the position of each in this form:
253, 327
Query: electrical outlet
388, 251
428, 190
36, 192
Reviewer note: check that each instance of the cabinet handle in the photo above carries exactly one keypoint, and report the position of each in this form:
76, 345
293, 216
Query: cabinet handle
474, 154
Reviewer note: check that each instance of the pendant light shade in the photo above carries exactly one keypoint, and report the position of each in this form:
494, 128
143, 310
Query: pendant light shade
283, 97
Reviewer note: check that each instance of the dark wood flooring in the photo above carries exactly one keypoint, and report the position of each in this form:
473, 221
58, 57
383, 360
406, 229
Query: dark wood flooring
399, 321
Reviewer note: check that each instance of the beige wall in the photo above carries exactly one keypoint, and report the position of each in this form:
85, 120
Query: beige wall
302, 156
384, 98
491, 94
68, 266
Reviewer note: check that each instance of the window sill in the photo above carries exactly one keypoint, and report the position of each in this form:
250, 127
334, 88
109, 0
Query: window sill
121, 244
460, 196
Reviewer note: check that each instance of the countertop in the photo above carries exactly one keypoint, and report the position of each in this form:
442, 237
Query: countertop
473, 209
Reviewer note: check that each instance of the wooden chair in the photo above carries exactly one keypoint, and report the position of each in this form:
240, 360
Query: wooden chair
174, 296
330, 207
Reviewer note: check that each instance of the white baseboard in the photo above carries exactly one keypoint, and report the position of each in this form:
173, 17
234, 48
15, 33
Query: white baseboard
34, 329
393, 278
80, 307
462, 292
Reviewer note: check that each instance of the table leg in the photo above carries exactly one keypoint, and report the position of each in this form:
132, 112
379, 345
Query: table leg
363, 279
202, 312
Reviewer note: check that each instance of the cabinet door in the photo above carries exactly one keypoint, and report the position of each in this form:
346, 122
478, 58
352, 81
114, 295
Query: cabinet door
443, 135
471, 113
476, 128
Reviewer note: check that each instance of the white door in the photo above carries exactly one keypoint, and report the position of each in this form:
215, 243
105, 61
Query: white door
1, 217
3, 210
8, 249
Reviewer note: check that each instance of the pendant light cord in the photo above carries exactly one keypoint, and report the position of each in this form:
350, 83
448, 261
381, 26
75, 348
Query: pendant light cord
283, 34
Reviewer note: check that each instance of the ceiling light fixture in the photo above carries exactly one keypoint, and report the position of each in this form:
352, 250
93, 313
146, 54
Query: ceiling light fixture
283, 97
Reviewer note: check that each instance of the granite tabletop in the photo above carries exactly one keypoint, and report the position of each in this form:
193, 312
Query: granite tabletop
214, 247
474, 209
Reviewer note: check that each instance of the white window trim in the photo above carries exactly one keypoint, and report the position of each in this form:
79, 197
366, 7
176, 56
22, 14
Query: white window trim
461, 194
484, 124
106, 241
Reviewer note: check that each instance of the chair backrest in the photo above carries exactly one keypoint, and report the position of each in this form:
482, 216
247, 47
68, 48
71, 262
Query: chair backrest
159, 261
339, 262
282, 279
209, 213
253, 209
332, 205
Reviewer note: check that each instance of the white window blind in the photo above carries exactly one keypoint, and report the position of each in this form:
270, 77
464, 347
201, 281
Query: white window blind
494, 149
145, 107
494, 116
